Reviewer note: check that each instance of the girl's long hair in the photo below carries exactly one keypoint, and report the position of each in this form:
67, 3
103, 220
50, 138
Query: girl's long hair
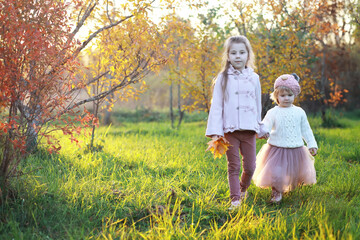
225, 59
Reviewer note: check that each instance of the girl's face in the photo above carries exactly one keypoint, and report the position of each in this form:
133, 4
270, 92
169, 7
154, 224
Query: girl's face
238, 56
286, 98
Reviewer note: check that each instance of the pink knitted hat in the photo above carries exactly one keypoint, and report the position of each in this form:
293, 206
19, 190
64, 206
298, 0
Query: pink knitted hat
289, 80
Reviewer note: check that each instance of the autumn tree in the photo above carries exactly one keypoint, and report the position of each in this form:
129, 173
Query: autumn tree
283, 46
204, 61
332, 32
326, 26
128, 52
124, 55
178, 37
352, 83
241, 17
35, 46
39, 57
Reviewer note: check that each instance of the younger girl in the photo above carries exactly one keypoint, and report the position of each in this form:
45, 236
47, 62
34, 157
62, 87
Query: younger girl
284, 162
236, 113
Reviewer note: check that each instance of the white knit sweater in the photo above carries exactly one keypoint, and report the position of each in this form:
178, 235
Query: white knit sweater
288, 127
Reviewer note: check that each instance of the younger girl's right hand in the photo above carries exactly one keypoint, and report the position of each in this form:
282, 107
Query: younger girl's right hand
313, 151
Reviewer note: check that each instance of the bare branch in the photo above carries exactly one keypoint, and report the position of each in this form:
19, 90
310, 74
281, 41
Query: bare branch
112, 24
131, 78
107, 11
90, 81
86, 42
78, 17
102, 95
87, 13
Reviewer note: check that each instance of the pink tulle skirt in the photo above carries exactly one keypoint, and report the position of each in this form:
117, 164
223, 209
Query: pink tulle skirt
284, 168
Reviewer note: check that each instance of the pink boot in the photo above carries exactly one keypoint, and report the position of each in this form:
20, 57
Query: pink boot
276, 196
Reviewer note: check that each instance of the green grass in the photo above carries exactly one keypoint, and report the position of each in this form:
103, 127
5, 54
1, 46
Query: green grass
154, 182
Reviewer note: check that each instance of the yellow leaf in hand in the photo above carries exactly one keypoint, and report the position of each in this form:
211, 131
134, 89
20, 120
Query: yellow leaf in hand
218, 146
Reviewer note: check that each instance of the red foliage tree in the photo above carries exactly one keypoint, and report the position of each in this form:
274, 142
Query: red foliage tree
36, 69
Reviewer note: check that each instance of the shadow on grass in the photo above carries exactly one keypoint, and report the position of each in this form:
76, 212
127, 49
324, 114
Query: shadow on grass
353, 156
43, 208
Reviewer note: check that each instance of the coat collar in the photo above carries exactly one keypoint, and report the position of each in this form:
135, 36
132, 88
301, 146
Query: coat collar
233, 71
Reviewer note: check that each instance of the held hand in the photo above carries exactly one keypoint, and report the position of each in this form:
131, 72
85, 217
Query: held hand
265, 136
313, 151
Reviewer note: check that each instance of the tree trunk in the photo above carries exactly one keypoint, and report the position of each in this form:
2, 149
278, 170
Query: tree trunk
7, 156
31, 116
322, 87
5, 162
96, 109
181, 112
171, 104
31, 136
107, 114
107, 118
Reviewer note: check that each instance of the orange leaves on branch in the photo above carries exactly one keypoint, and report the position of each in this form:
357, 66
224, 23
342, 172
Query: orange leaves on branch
336, 95
18, 144
218, 146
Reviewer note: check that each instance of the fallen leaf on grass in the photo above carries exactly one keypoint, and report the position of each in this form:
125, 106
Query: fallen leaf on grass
218, 146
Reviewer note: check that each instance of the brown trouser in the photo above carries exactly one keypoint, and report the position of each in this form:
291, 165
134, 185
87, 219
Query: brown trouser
246, 142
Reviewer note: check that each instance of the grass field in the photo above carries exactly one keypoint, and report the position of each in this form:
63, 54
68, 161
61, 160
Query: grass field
153, 182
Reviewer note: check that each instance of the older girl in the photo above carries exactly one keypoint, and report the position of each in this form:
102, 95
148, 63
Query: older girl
236, 113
